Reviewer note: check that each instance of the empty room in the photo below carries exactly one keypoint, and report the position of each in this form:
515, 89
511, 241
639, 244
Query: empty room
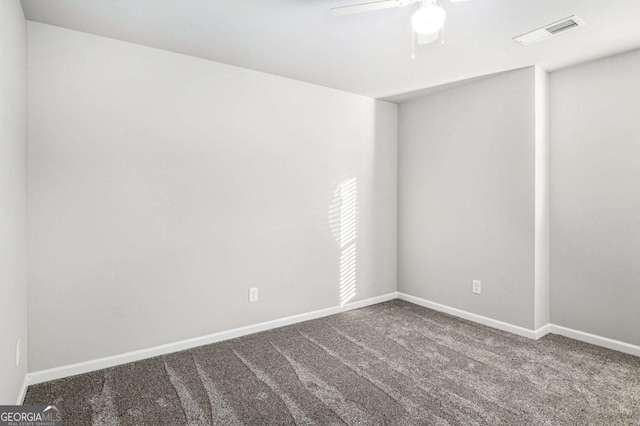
319, 212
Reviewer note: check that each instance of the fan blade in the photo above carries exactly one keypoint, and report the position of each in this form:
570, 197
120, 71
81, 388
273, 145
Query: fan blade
365, 7
428, 38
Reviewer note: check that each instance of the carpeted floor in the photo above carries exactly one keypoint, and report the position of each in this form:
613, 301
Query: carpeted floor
390, 364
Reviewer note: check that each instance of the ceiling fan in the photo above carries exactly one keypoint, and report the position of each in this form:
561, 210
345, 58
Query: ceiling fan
427, 22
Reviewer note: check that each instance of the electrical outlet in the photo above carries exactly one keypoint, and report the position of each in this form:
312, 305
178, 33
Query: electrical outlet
253, 294
18, 353
477, 287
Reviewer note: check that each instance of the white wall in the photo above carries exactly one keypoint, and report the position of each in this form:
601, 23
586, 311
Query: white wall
162, 187
466, 197
13, 161
542, 194
595, 198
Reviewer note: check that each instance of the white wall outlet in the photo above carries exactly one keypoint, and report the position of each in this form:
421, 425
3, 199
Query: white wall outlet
253, 294
18, 353
477, 287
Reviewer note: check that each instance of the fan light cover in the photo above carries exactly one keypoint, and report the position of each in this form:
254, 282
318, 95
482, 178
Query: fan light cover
428, 19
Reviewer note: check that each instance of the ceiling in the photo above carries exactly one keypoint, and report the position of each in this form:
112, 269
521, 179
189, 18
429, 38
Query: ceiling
369, 53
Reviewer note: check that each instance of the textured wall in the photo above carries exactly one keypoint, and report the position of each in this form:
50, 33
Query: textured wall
162, 187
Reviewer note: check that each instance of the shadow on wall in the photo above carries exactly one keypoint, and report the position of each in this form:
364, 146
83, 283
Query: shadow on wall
343, 222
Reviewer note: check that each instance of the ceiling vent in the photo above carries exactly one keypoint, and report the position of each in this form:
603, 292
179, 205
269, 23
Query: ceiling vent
549, 30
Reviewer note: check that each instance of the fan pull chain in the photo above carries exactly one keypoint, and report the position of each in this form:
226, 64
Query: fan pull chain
413, 45
443, 26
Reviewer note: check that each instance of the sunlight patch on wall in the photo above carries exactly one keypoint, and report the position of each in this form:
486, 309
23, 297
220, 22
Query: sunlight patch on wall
343, 221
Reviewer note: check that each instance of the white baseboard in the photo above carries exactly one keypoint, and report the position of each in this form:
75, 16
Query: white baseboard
532, 334
112, 361
23, 391
605, 342
543, 331
489, 322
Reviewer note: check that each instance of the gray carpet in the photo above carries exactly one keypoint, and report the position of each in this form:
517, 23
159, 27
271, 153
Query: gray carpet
390, 364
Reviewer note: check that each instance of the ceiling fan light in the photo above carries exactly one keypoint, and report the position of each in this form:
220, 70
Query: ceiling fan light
428, 19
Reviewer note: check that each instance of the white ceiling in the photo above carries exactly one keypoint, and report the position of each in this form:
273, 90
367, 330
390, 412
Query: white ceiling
368, 53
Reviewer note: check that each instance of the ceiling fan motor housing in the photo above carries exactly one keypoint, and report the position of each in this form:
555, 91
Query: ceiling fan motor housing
429, 19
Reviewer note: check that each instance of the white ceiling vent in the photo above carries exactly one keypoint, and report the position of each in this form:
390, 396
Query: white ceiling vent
549, 30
